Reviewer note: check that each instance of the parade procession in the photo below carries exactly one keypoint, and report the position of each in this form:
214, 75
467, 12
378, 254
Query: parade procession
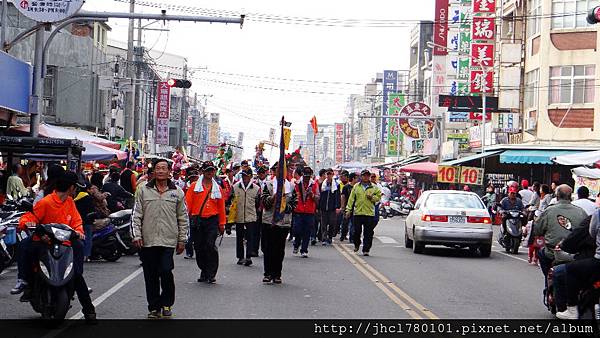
304, 169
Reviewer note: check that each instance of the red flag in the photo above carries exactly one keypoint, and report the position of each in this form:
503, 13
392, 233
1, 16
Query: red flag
313, 124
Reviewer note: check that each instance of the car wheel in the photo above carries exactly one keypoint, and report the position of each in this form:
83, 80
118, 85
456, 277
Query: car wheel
418, 247
485, 250
408, 243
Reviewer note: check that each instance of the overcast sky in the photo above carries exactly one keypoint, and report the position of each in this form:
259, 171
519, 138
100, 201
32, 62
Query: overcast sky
244, 66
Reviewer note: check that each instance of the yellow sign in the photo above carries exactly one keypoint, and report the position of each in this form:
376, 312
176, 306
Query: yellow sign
462, 175
448, 174
287, 136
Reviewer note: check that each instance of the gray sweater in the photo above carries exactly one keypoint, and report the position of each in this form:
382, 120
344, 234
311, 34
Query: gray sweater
594, 227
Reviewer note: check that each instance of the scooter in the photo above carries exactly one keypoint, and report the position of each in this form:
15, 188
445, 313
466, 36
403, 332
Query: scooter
121, 220
588, 299
384, 210
53, 288
511, 232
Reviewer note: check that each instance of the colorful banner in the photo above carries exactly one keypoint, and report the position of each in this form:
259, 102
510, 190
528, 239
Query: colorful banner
483, 28
592, 184
390, 85
395, 103
462, 138
440, 28
481, 84
411, 127
482, 55
484, 6
339, 143
163, 105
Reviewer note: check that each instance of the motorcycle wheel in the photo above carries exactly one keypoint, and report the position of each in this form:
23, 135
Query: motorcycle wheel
131, 251
112, 257
515, 246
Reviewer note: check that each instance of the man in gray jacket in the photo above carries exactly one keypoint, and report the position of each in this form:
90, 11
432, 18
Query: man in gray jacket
246, 197
160, 226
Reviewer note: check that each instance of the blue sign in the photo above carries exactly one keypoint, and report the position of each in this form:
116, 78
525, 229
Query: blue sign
390, 85
16, 77
458, 116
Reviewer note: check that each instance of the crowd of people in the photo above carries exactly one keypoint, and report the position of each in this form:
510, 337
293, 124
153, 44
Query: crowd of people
184, 210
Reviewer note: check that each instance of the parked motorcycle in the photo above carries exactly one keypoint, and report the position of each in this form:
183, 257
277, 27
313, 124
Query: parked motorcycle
384, 210
113, 236
10, 213
52, 287
511, 232
105, 245
121, 220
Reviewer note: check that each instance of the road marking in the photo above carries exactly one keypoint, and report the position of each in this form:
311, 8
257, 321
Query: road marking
386, 240
378, 283
387, 286
110, 292
511, 256
7, 270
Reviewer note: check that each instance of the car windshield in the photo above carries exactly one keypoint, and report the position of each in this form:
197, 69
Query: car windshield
459, 201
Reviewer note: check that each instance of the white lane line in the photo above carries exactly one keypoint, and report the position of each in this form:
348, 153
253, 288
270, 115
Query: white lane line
386, 240
110, 292
511, 256
7, 270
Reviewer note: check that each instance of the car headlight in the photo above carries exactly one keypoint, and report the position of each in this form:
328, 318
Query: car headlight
44, 270
68, 270
61, 235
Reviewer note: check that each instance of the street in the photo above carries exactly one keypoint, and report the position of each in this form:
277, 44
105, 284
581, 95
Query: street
333, 283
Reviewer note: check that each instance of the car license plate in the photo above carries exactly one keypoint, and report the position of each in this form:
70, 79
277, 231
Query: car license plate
456, 219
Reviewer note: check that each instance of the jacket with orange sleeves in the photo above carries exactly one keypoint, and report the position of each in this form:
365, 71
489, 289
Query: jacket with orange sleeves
51, 209
213, 207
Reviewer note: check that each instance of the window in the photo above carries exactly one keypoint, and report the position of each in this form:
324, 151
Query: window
49, 95
458, 201
532, 89
572, 84
534, 13
571, 13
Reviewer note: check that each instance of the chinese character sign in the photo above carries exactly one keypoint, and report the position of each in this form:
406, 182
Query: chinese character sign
440, 28
48, 10
481, 83
482, 55
483, 28
411, 127
162, 113
390, 85
395, 103
339, 143
484, 6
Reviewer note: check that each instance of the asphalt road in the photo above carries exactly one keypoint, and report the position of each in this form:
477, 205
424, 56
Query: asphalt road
332, 283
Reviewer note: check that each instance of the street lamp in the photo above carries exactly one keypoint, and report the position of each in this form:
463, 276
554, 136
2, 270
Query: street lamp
485, 71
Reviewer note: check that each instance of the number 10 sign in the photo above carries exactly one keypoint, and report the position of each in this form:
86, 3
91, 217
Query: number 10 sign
462, 175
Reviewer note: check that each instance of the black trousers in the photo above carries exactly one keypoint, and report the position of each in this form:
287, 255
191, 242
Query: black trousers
204, 235
274, 249
157, 262
328, 223
366, 223
32, 250
244, 231
580, 274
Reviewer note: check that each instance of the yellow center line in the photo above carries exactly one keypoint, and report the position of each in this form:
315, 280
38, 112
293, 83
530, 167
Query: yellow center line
361, 263
378, 283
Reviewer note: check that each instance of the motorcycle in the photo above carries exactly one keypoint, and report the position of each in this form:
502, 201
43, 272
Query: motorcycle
121, 220
10, 213
384, 210
511, 231
105, 245
53, 287
588, 299
113, 236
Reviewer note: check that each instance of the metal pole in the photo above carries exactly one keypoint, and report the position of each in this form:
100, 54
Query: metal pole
137, 107
4, 23
314, 151
483, 119
38, 85
183, 115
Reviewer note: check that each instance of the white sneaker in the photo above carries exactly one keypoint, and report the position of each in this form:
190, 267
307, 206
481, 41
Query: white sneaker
305, 255
19, 287
572, 313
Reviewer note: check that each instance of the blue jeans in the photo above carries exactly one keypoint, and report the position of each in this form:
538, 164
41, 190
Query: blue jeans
376, 214
559, 280
87, 243
303, 225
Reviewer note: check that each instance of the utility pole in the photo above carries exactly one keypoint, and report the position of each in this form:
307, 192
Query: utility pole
129, 99
38, 84
137, 109
183, 115
4, 23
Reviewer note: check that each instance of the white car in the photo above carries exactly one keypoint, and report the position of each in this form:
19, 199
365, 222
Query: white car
451, 218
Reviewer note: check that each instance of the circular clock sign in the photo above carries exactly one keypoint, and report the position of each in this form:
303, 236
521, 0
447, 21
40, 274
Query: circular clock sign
48, 11
411, 127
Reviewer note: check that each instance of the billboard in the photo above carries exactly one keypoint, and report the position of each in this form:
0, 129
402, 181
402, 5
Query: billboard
17, 81
339, 143
395, 137
390, 85
163, 104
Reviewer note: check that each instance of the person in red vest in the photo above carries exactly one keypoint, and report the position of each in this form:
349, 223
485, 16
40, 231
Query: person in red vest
306, 193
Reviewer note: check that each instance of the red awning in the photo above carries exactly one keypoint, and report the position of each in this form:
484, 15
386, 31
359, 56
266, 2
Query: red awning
428, 168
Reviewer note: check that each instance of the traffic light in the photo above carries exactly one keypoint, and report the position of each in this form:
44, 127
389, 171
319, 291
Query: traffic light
179, 83
594, 15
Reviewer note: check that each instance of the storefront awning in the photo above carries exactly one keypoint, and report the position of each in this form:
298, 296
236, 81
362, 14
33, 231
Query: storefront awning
428, 168
408, 160
586, 172
532, 156
472, 157
588, 158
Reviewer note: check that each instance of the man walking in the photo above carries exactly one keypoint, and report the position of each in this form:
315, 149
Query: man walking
306, 192
245, 197
329, 206
345, 196
160, 225
206, 207
361, 205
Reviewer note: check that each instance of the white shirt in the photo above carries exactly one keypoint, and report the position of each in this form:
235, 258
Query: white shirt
586, 205
526, 196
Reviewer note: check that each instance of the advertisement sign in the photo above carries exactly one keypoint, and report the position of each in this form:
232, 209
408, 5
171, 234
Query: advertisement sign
440, 28
458, 174
395, 103
461, 138
19, 75
448, 174
483, 28
475, 137
471, 175
592, 184
482, 55
411, 127
163, 106
449, 150
390, 85
476, 116
211, 149
481, 84
506, 123
484, 6
339, 143
458, 117
49, 10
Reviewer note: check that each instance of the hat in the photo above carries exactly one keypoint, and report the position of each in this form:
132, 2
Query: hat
512, 189
235, 165
307, 171
73, 179
244, 162
329, 170
344, 173
247, 172
208, 165
365, 172
524, 184
261, 169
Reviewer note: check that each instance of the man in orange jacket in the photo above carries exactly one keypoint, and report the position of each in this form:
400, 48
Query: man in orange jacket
206, 206
58, 207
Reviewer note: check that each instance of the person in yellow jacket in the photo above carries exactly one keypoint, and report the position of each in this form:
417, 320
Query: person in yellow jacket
361, 207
